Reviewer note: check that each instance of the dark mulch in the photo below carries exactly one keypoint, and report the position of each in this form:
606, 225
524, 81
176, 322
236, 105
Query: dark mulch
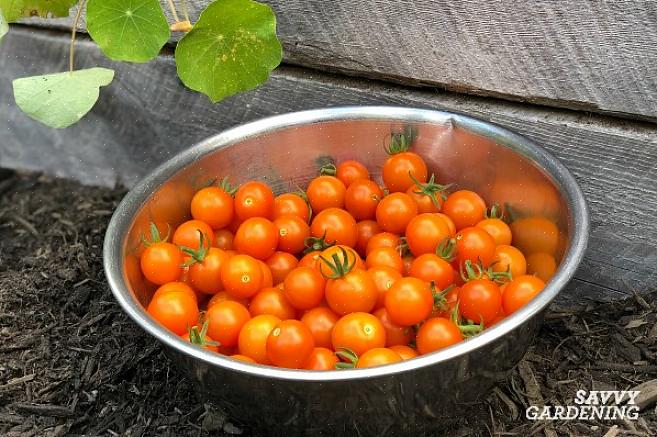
72, 363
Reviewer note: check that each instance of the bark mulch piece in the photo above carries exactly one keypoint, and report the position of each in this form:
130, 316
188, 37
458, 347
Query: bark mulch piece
72, 363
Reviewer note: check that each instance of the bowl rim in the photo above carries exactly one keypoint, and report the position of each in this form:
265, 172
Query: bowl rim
122, 219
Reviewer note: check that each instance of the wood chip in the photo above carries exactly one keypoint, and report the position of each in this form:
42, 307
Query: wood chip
648, 394
12, 383
613, 431
632, 324
43, 409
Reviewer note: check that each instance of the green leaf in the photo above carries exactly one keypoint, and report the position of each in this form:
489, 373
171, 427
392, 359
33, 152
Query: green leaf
61, 99
128, 30
232, 48
4, 27
15, 9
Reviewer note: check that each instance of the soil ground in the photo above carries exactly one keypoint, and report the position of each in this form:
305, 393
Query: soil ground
71, 363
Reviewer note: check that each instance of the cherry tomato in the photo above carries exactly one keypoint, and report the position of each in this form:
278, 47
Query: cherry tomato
257, 237
311, 259
349, 171
267, 278
520, 291
252, 340
291, 204
235, 224
358, 332
292, 233
254, 199
424, 202
337, 225
213, 206
280, 264
496, 228
325, 192
225, 321
187, 234
223, 296
272, 301
304, 288
161, 263
329, 253
362, 198
465, 208
425, 232
395, 211
176, 311
409, 301
321, 358
480, 300
354, 292
446, 307
535, 234
476, 245
289, 344
178, 287
320, 321
383, 239
398, 168
408, 261
437, 333
205, 276
405, 352
395, 334
243, 358
383, 278
450, 223
508, 258
385, 256
241, 276
430, 267
223, 239
366, 230
377, 357
542, 265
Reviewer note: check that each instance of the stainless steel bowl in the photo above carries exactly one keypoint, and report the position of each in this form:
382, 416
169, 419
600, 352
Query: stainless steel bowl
286, 151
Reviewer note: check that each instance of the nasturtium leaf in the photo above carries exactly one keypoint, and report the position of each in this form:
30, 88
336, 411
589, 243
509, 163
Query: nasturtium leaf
15, 9
128, 30
61, 99
232, 48
4, 27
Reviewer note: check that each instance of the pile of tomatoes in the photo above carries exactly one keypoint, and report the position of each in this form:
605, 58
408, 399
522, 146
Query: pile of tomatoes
346, 274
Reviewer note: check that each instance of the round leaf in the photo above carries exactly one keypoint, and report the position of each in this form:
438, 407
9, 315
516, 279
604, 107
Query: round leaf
61, 99
232, 48
15, 9
128, 30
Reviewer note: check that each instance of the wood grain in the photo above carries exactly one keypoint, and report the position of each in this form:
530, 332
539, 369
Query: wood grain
592, 55
146, 116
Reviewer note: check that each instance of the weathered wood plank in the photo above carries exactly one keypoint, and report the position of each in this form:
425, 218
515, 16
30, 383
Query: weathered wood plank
592, 55
146, 116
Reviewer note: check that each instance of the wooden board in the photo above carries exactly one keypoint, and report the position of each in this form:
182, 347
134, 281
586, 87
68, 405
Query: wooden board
592, 55
146, 116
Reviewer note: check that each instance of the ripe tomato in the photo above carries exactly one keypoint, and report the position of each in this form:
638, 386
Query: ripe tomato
280, 264
267, 278
254, 199
187, 234
408, 261
430, 267
241, 276
292, 233
225, 321
398, 168
395, 334
437, 333
377, 357
382, 239
508, 258
476, 245
161, 263
409, 301
321, 358
480, 300
223, 296
304, 288
223, 239
291, 204
325, 192
354, 292
337, 225
243, 358
405, 352
289, 344
542, 265
428, 196
257, 237
205, 276
496, 228
362, 198
272, 301
213, 206
252, 340
395, 211
385, 256
176, 311
383, 278
320, 321
329, 253
465, 208
349, 171
358, 332
177, 287
366, 230
425, 232
450, 223
311, 259
535, 234
520, 291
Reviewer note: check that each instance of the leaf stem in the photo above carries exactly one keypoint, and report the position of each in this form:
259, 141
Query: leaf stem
74, 32
172, 7
185, 9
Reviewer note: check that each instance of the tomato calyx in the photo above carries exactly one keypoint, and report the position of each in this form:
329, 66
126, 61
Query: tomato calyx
304, 196
196, 255
402, 247
430, 189
317, 244
447, 249
328, 170
155, 235
197, 337
440, 297
350, 359
469, 328
339, 267
400, 141
227, 187
470, 272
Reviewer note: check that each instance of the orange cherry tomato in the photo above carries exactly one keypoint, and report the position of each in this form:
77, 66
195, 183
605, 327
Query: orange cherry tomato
213, 206
382, 239
395, 334
508, 258
252, 340
311, 259
225, 321
292, 233
358, 332
257, 237
383, 278
320, 321
424, 202
350, 171
329, 253
205, 276
405, 352
223, 296
304, 288
408, 261
425, 232
398, 168
437, 333
337, 225
280, 264
187, 234
520, 291
272, 301
480, 300
223, 239
176, 286
321, 358
377, 357
289, 344
542, 265
325, 192
353, 292
385, 256
362, 198
465, 208
161, 263
409, 301
235, 224
241, 276
476, 245
496, 228
254, 199
450, 223
395, 211
176, 311
267, 278
430, 267
535, 234
291, 204
243, 358
366, 230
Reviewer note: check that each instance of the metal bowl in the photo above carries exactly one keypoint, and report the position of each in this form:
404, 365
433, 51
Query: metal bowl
286, 151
